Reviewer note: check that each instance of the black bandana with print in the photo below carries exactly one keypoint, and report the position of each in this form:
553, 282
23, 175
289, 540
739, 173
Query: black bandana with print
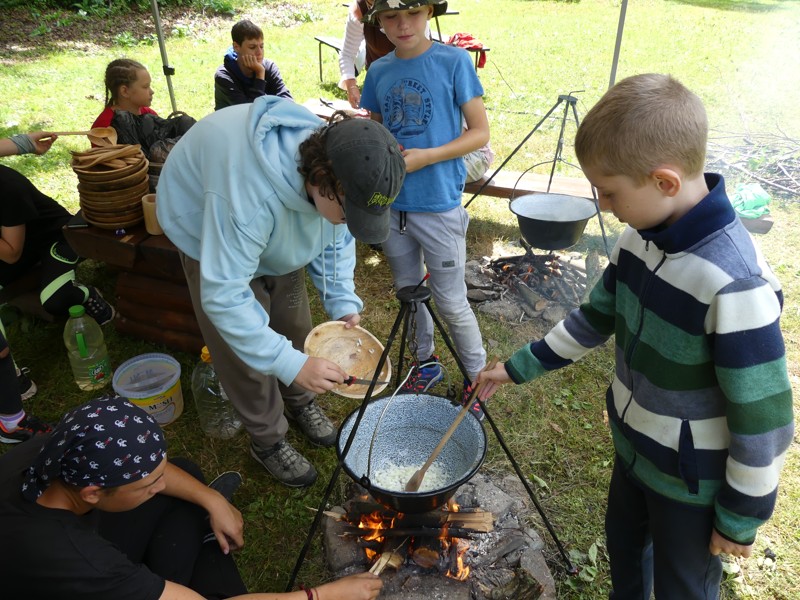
106, 442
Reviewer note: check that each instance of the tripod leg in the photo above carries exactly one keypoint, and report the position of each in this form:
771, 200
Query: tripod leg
570, 101
514, 151
594, 195
571, 569
329, 489
446, 339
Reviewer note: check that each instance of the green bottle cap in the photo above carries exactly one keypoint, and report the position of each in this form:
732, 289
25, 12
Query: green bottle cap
77, 311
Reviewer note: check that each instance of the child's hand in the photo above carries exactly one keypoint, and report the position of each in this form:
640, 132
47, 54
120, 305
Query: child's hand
362, 586
492, 380
720, 544
416, 159
251, 63
42, 140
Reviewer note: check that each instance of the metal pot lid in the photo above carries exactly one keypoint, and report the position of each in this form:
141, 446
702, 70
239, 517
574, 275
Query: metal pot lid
559, 208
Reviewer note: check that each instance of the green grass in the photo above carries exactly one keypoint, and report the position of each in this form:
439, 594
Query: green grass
741, 57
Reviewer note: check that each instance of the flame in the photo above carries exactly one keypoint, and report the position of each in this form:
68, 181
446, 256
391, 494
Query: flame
375, 522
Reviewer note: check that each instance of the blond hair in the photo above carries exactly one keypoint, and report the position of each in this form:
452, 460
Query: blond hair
644, 122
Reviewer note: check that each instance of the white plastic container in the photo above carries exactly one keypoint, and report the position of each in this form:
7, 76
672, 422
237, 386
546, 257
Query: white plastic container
152, 382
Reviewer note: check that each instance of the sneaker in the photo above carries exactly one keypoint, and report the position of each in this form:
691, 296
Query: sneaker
475, 408
314, 424
285, 464
97, 307
26, 429
26, 387
421, 380
226, 484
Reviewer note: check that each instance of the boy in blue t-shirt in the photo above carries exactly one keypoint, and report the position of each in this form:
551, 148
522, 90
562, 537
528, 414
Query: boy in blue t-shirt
420, 92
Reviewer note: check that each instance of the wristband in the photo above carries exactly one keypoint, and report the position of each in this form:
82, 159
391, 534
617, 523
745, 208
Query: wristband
23, 143
309, 592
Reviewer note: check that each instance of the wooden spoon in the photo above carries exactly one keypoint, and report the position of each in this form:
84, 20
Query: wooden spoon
99, 132
416, 479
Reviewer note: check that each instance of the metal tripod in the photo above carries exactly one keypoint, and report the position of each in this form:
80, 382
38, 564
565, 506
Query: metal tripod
570, 105
410, 298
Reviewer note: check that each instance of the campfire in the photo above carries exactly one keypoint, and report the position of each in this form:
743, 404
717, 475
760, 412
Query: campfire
435, 540
455, 552
539, 285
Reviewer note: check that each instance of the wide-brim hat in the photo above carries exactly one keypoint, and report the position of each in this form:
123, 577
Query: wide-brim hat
368, 163
439, 8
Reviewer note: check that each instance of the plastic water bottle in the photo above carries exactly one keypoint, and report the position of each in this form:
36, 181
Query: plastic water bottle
218, 417
86, 347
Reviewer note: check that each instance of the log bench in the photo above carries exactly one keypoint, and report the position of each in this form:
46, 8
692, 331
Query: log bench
151, 296
509, 184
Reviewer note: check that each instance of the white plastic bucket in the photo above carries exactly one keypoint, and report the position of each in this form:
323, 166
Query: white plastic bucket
152, 382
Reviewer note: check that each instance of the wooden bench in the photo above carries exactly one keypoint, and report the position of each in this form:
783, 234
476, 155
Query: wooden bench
151, 296
331, 42
508, 184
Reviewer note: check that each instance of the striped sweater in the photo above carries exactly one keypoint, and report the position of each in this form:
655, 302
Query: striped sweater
700, 405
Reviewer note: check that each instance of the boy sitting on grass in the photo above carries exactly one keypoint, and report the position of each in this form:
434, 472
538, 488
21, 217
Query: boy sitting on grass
700, 406
246, 74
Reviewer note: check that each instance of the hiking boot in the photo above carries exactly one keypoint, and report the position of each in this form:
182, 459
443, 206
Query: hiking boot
27, 388
423, 379
314, 424
285, 464
475, 408
226, 484
26, 429
97, 307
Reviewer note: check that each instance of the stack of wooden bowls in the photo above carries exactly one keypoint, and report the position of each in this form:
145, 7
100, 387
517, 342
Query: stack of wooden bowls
111, 183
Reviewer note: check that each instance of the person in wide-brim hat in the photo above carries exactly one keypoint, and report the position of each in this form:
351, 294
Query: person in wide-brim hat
439, 7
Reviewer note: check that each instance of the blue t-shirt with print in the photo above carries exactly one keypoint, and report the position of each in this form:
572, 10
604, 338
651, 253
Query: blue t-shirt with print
420, 102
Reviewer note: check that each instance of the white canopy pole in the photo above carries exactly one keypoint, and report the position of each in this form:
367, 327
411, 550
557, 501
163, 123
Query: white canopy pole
620, 27
169, 71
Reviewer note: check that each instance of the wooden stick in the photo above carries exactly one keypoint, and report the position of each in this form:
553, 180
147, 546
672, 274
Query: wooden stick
416, 479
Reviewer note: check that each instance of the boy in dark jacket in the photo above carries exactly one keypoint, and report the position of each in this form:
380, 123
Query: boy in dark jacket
700, 406
246, 74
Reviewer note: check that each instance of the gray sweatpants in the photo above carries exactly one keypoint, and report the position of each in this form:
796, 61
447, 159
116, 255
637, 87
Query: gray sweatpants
438, 241
259, 397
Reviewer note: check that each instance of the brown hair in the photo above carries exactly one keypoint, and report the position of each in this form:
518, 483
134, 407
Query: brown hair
119, 72
315, 166
643, 122
246, 30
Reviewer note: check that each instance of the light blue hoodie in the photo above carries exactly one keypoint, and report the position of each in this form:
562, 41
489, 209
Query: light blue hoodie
230, 196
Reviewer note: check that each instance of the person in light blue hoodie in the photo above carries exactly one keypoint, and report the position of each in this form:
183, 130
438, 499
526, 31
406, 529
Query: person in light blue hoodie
252, 196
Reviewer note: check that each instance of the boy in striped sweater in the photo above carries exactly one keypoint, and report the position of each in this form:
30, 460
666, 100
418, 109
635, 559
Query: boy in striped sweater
700, 406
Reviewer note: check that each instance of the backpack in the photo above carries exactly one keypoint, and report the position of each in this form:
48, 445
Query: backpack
151, 131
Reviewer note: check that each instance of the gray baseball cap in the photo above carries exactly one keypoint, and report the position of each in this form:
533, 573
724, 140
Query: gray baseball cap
367, 161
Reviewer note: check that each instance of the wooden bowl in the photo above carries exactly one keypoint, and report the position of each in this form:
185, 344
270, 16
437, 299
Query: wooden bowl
102, 173
128, 213
119, 224
110, 196
355, 350
111, 208
126, 181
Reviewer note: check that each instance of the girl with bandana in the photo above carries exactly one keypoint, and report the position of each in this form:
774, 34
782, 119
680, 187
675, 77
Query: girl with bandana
95, 510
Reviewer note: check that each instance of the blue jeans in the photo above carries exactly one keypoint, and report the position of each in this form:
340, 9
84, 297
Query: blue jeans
655, 543
437, 241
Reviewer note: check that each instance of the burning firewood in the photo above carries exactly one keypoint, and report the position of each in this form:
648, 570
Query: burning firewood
387, 559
